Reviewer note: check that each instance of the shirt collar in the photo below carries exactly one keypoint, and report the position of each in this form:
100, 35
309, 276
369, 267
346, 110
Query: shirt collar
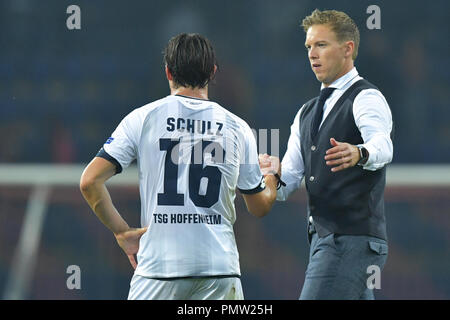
342, 81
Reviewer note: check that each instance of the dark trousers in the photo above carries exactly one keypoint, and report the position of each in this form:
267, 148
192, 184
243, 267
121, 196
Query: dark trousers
338, 266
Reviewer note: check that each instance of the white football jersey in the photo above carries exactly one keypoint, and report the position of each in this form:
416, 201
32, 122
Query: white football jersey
192, 154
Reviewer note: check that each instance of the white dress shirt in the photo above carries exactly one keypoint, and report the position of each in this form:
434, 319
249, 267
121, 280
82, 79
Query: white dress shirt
372, 117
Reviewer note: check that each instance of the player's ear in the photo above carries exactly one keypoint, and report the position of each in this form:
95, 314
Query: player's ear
168, 74
213, 73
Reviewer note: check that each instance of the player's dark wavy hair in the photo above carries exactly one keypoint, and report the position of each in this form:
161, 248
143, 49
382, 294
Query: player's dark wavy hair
190, 59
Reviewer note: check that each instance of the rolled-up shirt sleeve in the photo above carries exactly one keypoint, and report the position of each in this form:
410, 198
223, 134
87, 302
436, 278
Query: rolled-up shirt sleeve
292, 166
374, 120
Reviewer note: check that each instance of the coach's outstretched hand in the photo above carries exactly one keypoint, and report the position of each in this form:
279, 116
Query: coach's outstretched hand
129, 242
341, 156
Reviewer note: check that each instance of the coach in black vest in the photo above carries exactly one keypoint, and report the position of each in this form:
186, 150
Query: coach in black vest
340, 143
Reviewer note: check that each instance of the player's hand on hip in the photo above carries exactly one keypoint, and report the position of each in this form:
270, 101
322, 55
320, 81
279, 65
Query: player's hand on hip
341, 155
129, 242
269, 164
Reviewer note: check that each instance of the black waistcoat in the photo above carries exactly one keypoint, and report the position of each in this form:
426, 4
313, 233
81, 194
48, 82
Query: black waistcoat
350, 201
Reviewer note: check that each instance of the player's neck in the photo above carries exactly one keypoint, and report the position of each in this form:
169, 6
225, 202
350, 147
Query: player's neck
200, 93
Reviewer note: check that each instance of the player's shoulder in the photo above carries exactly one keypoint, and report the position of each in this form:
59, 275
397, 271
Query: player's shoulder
232, 119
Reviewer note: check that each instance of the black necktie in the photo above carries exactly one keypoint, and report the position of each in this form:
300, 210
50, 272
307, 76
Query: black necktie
318, 109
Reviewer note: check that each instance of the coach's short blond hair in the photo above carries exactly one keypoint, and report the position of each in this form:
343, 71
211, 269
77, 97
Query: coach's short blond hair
343, 26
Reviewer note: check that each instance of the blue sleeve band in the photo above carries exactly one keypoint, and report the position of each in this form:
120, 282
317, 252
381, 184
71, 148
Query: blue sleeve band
103, 154
261, 186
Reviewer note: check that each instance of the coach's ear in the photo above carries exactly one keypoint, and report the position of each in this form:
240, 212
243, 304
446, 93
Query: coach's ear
349, 48
168, 74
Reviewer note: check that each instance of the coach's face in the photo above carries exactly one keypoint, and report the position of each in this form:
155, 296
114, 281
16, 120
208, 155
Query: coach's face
330, 59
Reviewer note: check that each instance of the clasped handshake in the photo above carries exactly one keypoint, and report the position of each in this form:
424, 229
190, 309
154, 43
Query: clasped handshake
269, 164
340, 156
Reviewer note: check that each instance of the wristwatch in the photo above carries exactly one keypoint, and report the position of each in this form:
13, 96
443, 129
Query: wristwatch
363, 156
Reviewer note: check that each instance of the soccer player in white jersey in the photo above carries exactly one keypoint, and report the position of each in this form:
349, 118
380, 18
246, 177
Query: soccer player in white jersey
192, 154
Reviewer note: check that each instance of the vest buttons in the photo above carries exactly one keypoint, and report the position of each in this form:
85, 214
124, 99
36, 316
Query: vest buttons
313, 148
311, 178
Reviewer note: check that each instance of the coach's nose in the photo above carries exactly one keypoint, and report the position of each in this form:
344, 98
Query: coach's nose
312, 54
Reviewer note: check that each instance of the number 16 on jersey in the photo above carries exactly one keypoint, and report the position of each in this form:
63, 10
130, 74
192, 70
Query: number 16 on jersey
197, 171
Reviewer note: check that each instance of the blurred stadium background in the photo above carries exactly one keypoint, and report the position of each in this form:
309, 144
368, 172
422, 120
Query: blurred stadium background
63, 92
